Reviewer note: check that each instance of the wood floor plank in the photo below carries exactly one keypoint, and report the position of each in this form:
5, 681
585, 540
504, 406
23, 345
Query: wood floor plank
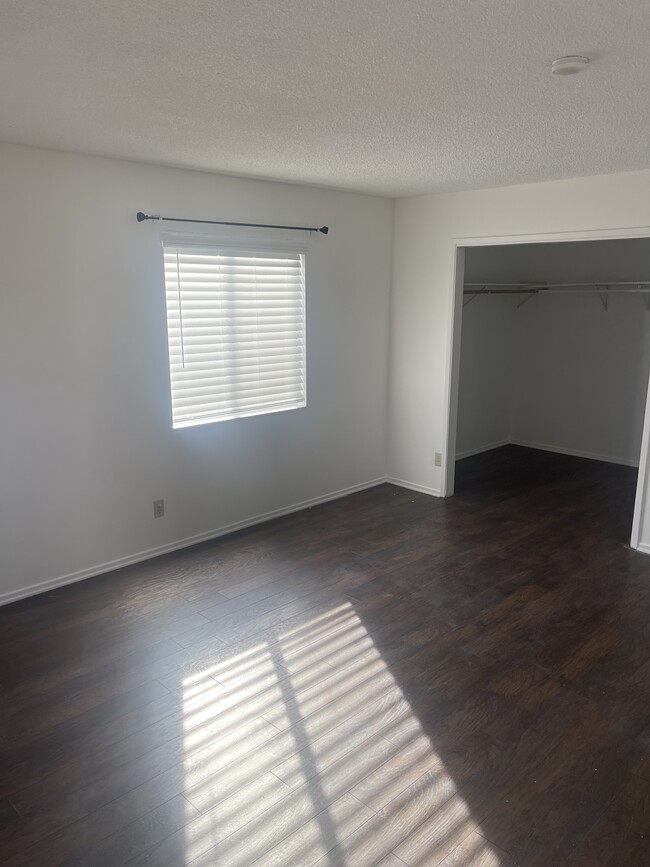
476, 851
204, 833
397, 827
124, 793
621, 836
126, 844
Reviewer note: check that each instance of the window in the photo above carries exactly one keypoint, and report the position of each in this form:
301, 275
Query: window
236, 327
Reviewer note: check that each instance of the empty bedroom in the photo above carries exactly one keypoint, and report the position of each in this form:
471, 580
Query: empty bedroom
324, 481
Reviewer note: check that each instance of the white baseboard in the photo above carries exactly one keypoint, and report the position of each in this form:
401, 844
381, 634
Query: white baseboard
111, 565
643, 548
488, 448
412, 486
575, 453
544, 447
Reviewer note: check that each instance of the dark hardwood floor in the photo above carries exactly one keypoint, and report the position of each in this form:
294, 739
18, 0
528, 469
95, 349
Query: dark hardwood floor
387, 679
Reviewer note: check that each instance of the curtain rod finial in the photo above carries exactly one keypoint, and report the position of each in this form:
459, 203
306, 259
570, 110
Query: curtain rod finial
324, 230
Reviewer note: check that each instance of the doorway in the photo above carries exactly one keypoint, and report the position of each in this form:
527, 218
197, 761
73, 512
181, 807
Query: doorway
551, 353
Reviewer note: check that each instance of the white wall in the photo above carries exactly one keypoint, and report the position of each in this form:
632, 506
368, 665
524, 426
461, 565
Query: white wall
487, 359
85, 437
423, 299
581, 384
486, 375
560, 372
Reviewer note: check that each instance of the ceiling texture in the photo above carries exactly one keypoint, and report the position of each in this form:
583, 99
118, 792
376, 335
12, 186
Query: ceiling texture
384, 96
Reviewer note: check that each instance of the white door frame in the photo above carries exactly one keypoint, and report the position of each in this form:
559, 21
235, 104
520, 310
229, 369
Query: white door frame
459, 245
639, 500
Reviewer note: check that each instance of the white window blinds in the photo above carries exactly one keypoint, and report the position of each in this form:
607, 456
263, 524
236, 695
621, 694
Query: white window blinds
236, 327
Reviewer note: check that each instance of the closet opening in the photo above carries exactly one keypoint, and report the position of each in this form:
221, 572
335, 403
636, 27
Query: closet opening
549, 381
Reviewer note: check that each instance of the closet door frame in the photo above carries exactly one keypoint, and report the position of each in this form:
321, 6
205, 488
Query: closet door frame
457, 254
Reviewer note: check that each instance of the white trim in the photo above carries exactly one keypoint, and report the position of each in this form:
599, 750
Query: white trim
643, 548
488, 448
575, 453
111, 565
543, 447
639, 510
412, 486
553, 237
452, 373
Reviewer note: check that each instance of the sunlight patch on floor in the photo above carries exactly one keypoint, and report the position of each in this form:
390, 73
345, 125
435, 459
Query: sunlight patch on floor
303, 749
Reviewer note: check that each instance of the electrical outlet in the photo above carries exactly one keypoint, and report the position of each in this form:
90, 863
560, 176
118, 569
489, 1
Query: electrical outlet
437, 459
158, 508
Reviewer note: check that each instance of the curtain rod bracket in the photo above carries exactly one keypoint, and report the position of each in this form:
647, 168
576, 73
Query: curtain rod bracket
141, 217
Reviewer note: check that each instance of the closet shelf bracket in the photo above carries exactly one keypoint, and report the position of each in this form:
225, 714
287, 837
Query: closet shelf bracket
604, 299
526, 299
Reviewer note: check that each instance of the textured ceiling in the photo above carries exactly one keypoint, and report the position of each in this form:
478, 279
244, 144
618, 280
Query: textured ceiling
386, 96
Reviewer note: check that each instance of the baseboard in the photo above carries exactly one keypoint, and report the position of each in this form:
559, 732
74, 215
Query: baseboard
575, 453
642, 548
412, 486
111, 565
488, 448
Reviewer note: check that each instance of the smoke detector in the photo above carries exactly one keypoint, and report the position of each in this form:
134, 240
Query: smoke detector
569, 65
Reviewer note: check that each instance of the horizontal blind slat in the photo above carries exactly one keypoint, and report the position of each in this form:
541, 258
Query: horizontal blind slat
245, 344
240, 384
227, 406
182, 420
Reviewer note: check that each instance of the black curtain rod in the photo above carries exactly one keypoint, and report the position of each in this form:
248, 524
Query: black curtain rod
142, 217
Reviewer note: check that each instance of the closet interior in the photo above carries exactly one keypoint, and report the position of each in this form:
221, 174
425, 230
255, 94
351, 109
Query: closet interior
555, 354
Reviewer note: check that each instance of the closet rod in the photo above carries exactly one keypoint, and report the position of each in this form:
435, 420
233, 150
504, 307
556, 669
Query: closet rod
635, 286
